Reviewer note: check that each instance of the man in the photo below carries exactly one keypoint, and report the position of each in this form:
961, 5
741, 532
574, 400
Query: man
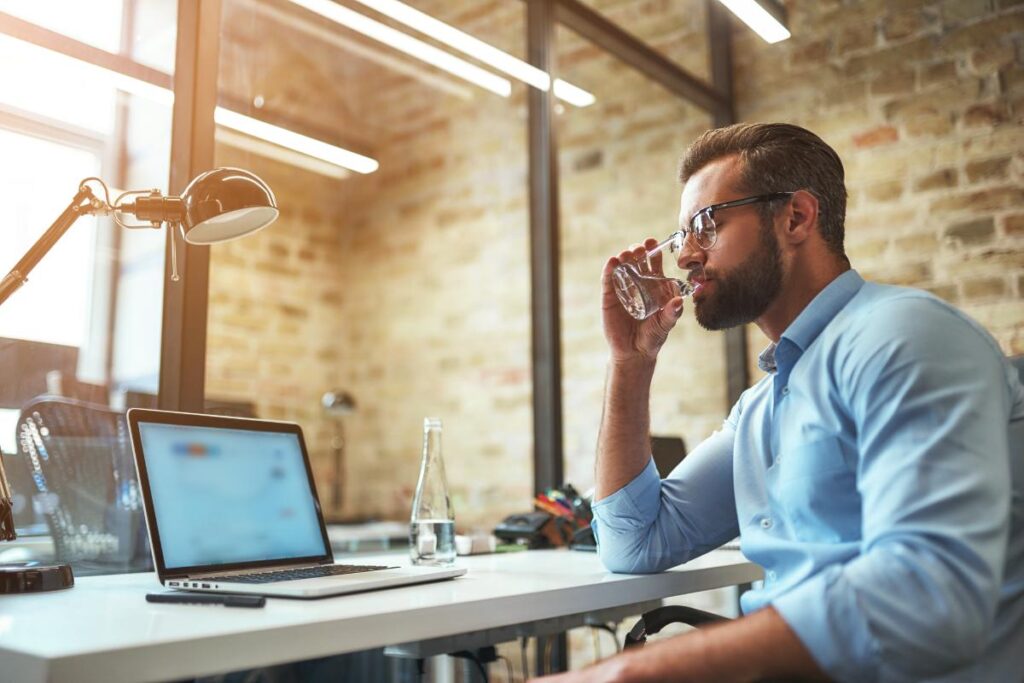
869, 472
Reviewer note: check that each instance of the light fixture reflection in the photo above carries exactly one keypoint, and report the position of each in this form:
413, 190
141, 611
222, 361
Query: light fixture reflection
478, 49
763, 22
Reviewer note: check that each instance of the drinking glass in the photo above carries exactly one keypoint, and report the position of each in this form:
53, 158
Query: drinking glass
643, 290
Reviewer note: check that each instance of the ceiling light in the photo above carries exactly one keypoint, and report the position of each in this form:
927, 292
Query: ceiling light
767, 22
292, 140
478, 49
407, 44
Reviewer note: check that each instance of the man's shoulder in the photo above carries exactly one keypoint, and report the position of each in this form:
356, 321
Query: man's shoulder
881, 311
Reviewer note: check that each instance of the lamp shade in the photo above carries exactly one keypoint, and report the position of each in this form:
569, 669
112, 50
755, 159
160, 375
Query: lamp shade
224, 204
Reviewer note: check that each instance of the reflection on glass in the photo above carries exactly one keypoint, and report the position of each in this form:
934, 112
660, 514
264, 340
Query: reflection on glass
81, 339
344, 291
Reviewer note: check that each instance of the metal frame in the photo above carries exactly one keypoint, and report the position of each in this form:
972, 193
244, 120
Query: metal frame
716, 98
183, 348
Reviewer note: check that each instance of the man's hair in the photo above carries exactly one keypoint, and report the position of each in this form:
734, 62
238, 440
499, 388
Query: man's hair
779, 157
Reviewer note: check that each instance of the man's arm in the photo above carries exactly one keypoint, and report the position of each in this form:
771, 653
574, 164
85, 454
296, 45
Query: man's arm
928, 394
623, 444
641, 523
755, 648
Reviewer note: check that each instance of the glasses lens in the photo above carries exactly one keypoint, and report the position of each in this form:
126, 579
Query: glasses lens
704, 230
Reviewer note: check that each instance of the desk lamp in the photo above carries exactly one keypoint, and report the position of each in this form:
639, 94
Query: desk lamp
217, 206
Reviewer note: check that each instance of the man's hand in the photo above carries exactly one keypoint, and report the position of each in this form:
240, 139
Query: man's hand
630, 339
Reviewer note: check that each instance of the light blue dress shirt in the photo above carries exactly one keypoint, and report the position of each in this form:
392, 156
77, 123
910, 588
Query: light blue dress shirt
872, 474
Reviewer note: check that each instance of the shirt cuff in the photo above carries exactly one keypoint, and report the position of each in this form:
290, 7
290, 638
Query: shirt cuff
824, 614
635, 505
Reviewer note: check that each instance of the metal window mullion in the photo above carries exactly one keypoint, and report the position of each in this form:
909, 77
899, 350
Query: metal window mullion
183, 336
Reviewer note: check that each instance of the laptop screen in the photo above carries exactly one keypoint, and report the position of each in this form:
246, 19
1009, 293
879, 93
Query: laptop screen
227, 496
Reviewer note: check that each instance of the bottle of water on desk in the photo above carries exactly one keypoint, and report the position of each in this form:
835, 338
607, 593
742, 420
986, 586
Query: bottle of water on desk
432, 530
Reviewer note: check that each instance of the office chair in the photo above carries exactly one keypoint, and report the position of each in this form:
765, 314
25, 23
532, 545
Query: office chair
81, 466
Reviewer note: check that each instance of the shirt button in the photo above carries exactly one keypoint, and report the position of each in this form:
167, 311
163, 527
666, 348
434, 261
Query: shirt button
785, 391
766, 523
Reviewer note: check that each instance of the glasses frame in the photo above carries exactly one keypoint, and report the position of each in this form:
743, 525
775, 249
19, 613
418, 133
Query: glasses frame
709, 211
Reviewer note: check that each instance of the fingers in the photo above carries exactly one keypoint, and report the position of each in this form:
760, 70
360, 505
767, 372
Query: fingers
634, 256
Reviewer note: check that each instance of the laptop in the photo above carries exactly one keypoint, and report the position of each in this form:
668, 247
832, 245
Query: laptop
231, 507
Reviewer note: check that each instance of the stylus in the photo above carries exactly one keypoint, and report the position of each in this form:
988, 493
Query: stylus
208, 599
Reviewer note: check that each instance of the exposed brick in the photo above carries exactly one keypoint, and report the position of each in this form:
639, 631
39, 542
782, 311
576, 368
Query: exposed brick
981, 200
944, 292
940, 72
988, 114
955, 11
1013, 225
972, 232
812, 53
921, 245
984, 288
880, 135
982, 32
898, 55
939, 179
928, 124
856, 37
899, 25
992, 57
885, 191
896, 82
987, 169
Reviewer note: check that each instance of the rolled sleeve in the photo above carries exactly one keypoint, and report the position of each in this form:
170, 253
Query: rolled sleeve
651, 524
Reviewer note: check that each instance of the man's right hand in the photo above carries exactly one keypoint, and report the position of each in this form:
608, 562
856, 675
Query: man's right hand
629, 339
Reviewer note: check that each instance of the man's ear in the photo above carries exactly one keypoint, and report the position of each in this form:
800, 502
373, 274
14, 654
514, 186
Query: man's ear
802, 216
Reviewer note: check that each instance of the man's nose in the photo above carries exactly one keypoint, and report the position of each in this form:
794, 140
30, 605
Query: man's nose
690, 252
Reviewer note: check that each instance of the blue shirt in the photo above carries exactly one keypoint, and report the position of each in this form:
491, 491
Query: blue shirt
870, 474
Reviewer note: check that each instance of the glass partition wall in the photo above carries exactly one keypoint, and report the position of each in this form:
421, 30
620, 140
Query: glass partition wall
618, 168
400, 277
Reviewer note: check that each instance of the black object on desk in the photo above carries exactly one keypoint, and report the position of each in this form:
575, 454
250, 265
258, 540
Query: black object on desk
185, 598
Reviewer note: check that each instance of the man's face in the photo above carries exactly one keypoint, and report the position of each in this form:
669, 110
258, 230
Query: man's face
743, 269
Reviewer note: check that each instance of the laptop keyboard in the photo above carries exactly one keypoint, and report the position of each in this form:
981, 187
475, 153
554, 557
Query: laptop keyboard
304, 573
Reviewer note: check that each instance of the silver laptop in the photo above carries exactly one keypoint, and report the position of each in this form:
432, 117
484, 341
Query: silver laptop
232, 508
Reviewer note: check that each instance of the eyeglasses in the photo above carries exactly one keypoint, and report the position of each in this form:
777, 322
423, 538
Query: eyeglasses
702, 224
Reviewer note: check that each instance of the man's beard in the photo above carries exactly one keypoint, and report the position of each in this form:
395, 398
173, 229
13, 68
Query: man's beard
745, 294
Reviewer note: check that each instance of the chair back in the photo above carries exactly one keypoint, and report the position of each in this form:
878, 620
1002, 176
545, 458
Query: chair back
85, 479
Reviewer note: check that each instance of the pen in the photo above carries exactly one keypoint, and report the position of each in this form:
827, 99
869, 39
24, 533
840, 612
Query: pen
207, 599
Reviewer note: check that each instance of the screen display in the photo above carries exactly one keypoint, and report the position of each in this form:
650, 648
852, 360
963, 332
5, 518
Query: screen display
224, 496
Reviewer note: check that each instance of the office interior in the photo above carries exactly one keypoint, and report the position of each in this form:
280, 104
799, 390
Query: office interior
443, 222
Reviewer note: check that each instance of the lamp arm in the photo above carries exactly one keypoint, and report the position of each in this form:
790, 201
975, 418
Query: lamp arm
84, 202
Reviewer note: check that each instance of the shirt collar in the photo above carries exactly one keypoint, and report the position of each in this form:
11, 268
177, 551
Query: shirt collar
816, 315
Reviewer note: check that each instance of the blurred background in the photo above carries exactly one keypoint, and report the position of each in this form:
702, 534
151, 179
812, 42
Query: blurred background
401, 276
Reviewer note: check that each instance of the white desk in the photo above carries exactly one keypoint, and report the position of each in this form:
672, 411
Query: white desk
104, 630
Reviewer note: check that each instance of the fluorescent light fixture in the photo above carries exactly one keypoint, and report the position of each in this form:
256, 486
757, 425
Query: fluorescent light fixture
572, 94
478, 49
294, 141
407, 44
282, 137
765, 23
247, 143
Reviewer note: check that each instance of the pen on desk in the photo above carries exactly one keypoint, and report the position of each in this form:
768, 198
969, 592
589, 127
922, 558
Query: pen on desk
183, 598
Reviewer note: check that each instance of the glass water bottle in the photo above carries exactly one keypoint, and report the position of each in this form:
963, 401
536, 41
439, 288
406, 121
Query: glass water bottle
432, 528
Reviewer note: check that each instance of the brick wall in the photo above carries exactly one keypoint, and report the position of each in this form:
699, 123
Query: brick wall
924, 102
410, 287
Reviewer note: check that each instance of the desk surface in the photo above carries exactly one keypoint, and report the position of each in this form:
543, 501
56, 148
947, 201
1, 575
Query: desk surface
103, 630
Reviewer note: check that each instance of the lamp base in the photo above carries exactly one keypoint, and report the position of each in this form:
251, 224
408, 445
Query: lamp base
32, 577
